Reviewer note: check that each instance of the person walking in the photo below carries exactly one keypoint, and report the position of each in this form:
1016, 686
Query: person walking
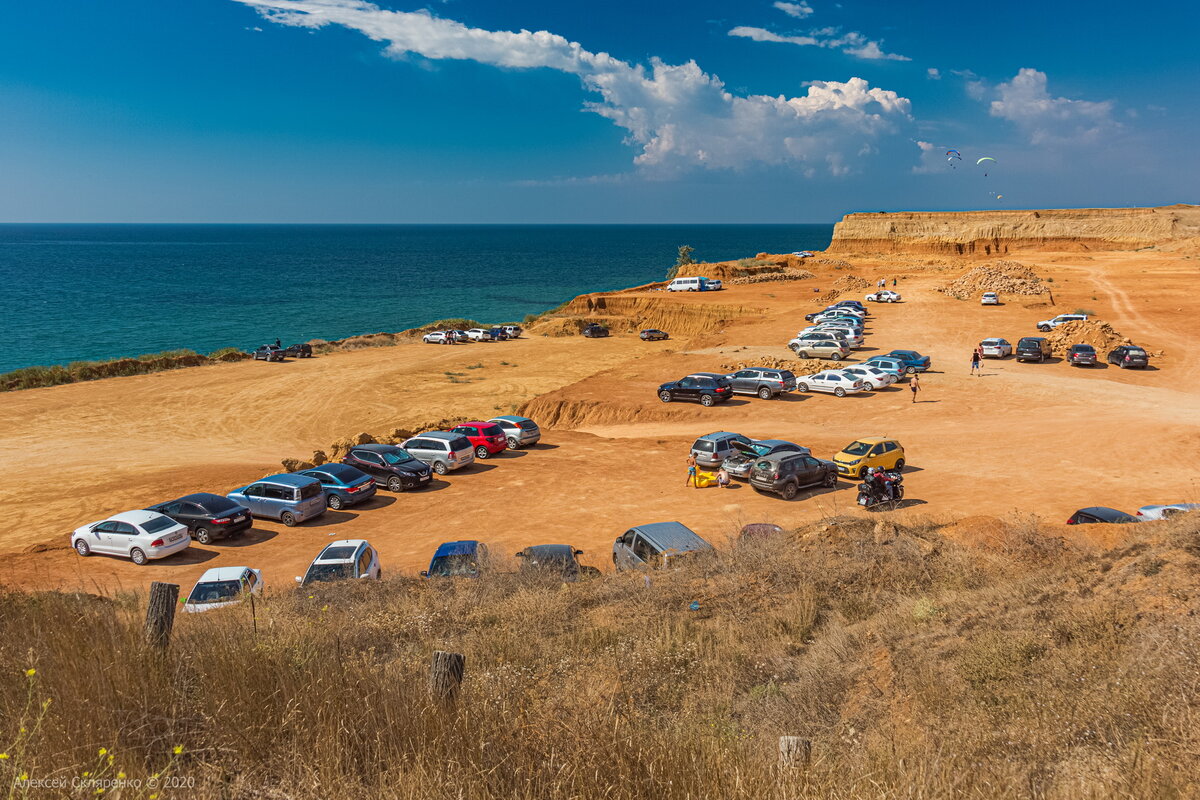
691, 476
914, 384
893, 282
975, 362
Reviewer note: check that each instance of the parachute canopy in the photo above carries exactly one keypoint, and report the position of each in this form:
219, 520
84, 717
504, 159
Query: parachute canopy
954, 153
986, 158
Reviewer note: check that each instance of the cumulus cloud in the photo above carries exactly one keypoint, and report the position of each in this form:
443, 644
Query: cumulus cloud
1025, 101
933, 73
851, 43
798, 10
678, 115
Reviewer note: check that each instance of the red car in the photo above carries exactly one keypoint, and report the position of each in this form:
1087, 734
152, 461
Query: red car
486, 437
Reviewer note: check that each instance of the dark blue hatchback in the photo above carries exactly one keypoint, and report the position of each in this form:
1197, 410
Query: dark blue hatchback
464, 559
343, 484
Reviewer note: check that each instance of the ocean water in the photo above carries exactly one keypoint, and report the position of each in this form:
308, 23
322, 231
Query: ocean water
85, 292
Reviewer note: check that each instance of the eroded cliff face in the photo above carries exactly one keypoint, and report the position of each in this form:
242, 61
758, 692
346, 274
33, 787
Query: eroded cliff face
990, 233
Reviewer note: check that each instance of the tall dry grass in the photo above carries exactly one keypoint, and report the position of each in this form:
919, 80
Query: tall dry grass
918, 668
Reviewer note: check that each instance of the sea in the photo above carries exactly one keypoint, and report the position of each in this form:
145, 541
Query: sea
93, 292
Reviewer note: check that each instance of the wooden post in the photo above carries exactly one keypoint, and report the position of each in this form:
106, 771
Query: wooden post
160, 613
446, 674
794, 751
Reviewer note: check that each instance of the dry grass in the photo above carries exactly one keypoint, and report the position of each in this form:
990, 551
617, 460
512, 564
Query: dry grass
917, 667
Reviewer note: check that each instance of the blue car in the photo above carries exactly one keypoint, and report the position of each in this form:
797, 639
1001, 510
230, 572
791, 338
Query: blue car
465, 559
892, 366
913, 361
288, 497
343, 484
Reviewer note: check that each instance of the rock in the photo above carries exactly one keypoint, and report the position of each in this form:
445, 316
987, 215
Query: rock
1002, 277
295, 465
319, 458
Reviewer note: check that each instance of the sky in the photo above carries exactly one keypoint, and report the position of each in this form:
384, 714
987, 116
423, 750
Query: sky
544, 111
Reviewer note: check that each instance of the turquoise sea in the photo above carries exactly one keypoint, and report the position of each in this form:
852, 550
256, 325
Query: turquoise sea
87, 292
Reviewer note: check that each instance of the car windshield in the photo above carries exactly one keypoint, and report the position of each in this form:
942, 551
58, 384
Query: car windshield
158, 524
857, 449
311, 490
1136, 351
328, 572
1084, 348
528, 425
703, 446
396, 456
454, 565
762, 449
215, 592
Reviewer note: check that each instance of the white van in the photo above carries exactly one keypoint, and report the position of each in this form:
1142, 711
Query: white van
692, 283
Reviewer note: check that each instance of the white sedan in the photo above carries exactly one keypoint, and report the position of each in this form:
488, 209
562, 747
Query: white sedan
883, 296
873, 377
834, 381
436, 337
137, 535
996, 348
223, 586
989, 299
1168, 511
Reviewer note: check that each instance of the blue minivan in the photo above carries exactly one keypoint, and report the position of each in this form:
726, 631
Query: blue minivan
343, 484
288, 497
464, 559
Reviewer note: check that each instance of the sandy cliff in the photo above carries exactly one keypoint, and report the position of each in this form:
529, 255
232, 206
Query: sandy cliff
997, 232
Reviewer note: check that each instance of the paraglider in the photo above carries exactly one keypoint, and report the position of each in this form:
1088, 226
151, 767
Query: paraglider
952, 156
954, 153
985, 158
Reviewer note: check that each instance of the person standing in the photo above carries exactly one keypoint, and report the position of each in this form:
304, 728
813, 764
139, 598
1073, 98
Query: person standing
975, 362
691, 476
893, 283
914, 384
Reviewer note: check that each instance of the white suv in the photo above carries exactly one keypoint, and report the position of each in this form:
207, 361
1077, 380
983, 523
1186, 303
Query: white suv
138, 535
344, 559
1047, 325
223, 586
479, 335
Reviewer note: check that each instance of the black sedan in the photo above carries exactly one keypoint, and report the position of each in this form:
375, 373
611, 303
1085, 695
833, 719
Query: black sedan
1087, 516
653, 335
207, 516
1081, 355
559, 561
302, 350
594, 330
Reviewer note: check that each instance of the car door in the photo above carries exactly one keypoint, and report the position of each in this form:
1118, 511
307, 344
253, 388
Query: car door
122, 538
188, 514
743, 380
688, 389
623, 557
875, 456
370, 463
254, 498
99, 539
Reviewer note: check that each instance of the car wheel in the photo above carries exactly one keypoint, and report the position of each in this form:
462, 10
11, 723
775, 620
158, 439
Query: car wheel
288, 519
202, 536
1044, 328
835, 357
334, 501
82, 548
513, 444
789, 491
138, 556
830, 480
764, 393
910, 370
394, 484
802, 387
481, 452
840, 392
439, 468
664, 396
706, 400
899, 464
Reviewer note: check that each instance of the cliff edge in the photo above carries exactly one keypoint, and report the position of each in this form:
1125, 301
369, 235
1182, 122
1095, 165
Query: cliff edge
990, 233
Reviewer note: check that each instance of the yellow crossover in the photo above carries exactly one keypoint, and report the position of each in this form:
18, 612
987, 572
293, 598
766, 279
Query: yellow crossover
869, 451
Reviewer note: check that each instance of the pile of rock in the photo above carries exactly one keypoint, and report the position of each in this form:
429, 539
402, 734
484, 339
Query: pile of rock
1003, 277
1097, 333
836, 263
338, 449
846, 283
771, 277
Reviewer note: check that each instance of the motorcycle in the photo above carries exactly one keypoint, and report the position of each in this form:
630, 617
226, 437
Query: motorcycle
872, 493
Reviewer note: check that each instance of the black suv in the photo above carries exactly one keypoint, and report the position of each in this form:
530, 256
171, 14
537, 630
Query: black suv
390, 466
708, 388
207, 516
1128, 355
302, 350
1032, 348
594, 330
787, 473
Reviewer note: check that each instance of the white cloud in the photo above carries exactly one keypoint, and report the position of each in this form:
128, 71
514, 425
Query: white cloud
678, 115
798, 10
933, 73
851, 43
1025, 101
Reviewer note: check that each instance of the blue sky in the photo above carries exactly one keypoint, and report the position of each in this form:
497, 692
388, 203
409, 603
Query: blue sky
530, 111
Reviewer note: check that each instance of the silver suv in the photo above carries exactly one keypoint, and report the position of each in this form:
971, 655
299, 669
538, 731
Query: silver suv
766, 383
441, 450
712, 449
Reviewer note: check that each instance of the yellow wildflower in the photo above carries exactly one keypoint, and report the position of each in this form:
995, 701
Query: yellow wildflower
178, 749
3, 756
29, 673
103, 751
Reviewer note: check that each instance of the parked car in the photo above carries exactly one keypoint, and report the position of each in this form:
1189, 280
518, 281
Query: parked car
658, 545
343, 484
269, 352
1032, 348
1129, 356
288, 497
513, 331
832, 350
479, 335
594, 330
207, 516
853, 337
766, 383
856, 458
833, 381
302, 350
1095, 514
653, 335
805, 339
872, 377
518, 431
459, 336
835, 315
884, 296
141, 536
713, 285
486, 437
1167, 511
464, 559
989, 299
222, 586
437, 337
343, 560
1082, 355
786, 474
690, 283
390, 466
892, 366
1047, 325
802, 254
711, 449
852, 305
555, 560
498, 334
442, 451
705, 388
742, 461
996, 348
912, 360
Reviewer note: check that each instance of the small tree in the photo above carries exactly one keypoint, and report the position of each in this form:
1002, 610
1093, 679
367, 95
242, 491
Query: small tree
684, 258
